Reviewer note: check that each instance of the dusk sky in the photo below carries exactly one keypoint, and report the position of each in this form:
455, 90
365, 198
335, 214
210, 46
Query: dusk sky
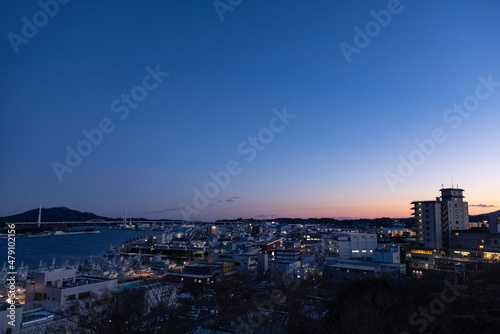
309, 108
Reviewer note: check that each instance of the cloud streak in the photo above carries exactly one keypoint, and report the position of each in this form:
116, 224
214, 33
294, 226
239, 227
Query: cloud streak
175, 208
231, 199
482, 206
161, 211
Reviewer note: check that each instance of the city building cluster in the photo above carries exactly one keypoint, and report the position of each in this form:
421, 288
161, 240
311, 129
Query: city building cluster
194, 256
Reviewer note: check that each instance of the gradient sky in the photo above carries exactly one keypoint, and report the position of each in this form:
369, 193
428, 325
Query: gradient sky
353, 119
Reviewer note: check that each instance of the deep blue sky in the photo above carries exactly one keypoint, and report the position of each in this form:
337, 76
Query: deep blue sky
353, 119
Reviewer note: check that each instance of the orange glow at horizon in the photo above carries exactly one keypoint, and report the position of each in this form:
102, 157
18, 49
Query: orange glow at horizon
369, 211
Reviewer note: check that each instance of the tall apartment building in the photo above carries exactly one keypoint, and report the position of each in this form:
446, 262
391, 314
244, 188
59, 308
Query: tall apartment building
428, 224
435, 220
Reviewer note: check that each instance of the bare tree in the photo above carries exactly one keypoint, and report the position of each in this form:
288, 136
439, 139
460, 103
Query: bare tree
161, 303
110, 312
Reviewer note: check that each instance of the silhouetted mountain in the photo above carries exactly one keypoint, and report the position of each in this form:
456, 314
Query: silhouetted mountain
482, 217
59, 214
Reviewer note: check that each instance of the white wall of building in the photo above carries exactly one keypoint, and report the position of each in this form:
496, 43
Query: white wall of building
353, 245
387, 255
53, 289
4, 320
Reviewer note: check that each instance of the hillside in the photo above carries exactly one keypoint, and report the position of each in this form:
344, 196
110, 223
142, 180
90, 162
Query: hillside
58, 214
482, 217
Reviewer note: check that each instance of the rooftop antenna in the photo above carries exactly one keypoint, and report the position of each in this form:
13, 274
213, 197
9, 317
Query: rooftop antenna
39, 216
452, 182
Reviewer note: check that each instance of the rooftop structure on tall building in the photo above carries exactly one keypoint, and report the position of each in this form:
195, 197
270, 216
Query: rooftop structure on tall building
436, 220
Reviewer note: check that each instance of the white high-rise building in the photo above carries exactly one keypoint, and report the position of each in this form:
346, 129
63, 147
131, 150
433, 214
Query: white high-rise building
435, 220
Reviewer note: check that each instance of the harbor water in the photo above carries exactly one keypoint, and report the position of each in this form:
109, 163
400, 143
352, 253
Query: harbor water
71, 248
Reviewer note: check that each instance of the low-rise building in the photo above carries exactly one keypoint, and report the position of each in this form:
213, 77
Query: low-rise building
386, 263
494, 222
287, 254
492, 247
55, 289
11, 316
420, 257
352, 245
389, 254
475, 243
284, 269
311, 247
269, 246
197, 274
389, 260
468, 239
339, 272
203, 269
244, 263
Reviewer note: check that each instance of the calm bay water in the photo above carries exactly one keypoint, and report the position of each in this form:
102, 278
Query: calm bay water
67, 247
